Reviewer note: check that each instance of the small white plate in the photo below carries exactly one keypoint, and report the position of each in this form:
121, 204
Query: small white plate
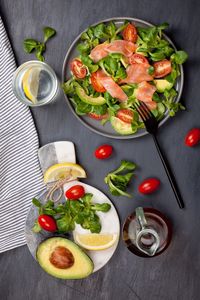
109, 221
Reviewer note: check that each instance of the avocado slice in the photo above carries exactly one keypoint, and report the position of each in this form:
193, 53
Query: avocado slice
89, 99
124, 62
63, 259
162, 85
121, 127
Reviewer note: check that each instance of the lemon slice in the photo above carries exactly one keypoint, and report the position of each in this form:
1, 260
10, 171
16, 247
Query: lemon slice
62, 171
30, 83
95, 241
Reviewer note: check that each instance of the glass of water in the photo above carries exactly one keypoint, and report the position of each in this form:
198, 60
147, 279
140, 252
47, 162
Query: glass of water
35, 83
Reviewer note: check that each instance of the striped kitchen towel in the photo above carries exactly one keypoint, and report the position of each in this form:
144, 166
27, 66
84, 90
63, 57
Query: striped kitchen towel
20, 174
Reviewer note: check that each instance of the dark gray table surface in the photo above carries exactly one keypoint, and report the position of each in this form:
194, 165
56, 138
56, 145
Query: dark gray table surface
175, 274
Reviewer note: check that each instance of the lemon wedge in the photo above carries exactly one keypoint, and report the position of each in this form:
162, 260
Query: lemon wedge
62, 171
30, 83
95, 241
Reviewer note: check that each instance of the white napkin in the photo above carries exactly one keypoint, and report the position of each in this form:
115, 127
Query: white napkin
20, 175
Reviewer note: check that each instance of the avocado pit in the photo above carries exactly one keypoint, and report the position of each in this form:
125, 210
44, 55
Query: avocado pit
61, 258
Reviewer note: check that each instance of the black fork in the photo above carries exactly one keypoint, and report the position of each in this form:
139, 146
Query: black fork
151, 125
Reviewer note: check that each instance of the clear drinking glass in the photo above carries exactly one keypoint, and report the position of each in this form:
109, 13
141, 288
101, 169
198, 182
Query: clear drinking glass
35, 83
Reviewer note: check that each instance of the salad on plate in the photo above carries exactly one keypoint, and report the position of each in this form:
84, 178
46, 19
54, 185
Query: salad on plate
118, 66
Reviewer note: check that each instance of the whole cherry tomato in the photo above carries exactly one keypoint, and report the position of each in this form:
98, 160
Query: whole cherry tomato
78, 68
130, 33
103, 151
47, 223
162, 68
149, 185
193, 137
75, 192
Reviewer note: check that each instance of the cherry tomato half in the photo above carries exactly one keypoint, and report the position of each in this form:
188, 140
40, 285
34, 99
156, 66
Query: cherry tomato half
137, 58
103, 151
193, 137
78, 68
47, 223
125, 115
130, 33
162, 68
149, 185
75, 192
96, 83
97, 117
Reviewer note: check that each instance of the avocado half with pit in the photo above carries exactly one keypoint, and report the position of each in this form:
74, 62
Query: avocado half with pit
63, 259
89, 99
121, 127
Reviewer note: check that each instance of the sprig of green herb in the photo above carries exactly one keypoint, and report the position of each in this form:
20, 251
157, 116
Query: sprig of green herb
118, 179
168, 101
31, 45
81, 211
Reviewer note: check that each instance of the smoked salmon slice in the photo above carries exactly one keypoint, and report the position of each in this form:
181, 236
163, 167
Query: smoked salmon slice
111, 86
124, 47
99, 52
137, 73
145, 92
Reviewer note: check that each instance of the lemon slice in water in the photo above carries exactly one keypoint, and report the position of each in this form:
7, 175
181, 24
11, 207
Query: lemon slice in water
30, 83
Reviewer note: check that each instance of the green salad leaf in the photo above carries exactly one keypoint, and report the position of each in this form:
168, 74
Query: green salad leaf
151, 42
66, 215
31, 45
48, 33
81, 107
118, 179
86, 60
169, 103
112, 65
179, 57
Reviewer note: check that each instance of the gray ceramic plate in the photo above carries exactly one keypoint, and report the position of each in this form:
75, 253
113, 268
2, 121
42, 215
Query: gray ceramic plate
94, 125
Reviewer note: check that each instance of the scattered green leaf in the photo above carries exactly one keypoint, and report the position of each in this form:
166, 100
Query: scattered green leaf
118, 179
31, 45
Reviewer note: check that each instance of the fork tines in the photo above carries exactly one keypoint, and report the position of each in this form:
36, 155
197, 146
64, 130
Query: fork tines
143, 111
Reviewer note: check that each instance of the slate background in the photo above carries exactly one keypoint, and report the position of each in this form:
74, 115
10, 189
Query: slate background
175, 274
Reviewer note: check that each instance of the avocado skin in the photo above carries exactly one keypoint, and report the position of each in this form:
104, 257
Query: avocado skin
89, 99
162, 85
83, 265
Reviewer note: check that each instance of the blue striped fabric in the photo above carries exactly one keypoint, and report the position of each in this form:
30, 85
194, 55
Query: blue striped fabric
20, 174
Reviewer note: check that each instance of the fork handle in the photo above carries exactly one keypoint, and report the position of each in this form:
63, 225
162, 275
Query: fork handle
169, 173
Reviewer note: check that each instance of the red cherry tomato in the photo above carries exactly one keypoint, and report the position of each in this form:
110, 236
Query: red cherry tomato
78, 68
75, 192
130, 33
96, 83
98, 117
137, 58
47, 223
149, 186
162, 68
193, 137
103, 151
125, 115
